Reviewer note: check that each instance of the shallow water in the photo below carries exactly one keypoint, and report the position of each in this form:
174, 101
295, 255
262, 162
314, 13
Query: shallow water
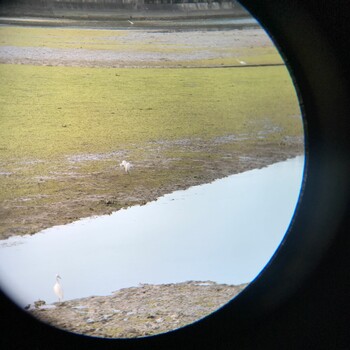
239, 21
225, 231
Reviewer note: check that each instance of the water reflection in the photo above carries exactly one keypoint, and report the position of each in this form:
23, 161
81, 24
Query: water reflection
225, 231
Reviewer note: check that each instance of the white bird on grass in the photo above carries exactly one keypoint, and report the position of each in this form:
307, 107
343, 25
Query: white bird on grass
241, 62
126, 165
57, 288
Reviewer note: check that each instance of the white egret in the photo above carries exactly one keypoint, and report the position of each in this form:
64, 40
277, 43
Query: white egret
130, 22
126, 165
57, 288
241, 62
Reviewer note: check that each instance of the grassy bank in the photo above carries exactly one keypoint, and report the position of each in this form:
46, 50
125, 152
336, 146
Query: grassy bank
64, 130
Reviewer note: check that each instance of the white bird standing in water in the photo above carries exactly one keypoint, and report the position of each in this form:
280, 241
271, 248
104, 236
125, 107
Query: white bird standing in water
126, 165
57, 288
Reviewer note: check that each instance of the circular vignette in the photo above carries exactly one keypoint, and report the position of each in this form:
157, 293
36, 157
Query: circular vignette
303, 32
304, 39
317, 70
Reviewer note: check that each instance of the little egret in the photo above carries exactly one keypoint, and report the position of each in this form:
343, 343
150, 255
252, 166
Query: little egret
241, 62
57, 288
126, 165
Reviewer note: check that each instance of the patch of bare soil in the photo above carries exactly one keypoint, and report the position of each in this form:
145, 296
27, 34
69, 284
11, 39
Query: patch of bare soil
138, 311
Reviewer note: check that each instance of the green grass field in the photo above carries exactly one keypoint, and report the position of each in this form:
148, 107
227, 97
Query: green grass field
99, 116
48, 112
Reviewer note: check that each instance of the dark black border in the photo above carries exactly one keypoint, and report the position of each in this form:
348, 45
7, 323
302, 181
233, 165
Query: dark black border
301, 301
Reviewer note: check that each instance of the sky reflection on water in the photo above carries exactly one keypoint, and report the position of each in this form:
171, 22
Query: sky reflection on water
225, 231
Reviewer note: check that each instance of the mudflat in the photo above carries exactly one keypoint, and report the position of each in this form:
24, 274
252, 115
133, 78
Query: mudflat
138, 311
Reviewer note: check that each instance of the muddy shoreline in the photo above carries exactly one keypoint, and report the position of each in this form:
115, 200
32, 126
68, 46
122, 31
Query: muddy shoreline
23, 218
138, 311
